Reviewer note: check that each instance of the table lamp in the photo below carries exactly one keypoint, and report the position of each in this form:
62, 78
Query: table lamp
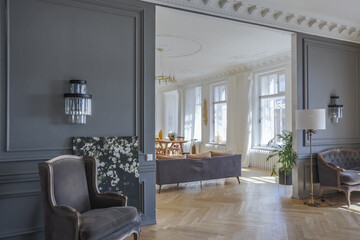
311, 120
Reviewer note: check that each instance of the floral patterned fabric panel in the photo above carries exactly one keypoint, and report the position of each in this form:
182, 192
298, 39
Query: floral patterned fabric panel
117, 163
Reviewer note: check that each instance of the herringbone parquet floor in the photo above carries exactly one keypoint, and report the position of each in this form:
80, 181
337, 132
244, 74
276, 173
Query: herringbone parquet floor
258, 208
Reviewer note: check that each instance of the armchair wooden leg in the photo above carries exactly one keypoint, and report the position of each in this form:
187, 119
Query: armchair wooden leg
159, 189
348, 194
136, 235
238, 179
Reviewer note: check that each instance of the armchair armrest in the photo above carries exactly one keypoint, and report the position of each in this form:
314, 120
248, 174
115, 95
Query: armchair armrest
65, 222
329, 174
108, 199
64, 210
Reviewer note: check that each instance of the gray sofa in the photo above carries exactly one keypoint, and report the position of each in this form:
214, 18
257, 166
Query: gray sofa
169, 171
339, 169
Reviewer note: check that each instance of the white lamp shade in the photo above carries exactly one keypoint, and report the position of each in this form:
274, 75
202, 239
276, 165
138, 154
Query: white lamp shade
310, 119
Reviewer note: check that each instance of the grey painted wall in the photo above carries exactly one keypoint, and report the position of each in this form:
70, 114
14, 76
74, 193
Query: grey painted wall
326, 67
46, 43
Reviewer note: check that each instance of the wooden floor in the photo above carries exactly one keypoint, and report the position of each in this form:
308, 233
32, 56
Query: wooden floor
258, 208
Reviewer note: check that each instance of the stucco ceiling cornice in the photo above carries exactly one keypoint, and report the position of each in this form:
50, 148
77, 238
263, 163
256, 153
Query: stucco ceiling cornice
256, 12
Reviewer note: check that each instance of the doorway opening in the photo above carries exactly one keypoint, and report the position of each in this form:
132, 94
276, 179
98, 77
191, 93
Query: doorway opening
222, 87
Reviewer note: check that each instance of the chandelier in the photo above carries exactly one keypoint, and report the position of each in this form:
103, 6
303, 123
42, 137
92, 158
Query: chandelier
166, 78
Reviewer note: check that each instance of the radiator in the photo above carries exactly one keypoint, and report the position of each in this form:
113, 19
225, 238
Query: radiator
214, 147
258, 159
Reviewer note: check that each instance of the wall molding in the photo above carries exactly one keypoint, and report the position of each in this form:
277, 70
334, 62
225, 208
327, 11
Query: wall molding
259, 13
19, 177
25, 231
16, 194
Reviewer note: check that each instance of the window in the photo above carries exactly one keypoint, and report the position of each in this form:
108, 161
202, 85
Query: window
272, 107
219, 114
171, 106
197, 127
192, 114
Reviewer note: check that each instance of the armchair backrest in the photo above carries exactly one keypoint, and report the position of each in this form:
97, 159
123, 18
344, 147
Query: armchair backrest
66, 182
346, 158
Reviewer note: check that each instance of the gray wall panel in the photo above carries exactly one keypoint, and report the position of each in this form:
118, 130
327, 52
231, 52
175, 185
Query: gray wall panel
108, 43
326, 67
26, 210
333, 69
50, 45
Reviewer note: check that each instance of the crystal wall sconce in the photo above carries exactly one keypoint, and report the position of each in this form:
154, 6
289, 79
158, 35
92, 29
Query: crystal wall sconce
77, 102
335, 109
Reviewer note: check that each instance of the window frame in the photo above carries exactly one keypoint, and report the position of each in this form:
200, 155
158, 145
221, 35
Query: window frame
213, 103
260, 97
201, 108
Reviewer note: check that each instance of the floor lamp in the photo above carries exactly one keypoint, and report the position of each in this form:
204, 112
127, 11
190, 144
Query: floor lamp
311, 120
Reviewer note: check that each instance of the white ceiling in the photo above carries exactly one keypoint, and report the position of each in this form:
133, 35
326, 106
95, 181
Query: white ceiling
198, 45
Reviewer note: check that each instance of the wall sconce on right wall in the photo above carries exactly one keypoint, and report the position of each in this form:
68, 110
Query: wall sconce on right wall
335, 109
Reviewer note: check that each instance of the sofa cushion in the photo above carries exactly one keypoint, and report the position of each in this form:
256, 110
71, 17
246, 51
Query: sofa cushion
225, 153
199, 155
350, 177
170, 157
98, 223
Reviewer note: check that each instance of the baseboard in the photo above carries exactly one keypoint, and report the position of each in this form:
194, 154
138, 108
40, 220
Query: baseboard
146, 222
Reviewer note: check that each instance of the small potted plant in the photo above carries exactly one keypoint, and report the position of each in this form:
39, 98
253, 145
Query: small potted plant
287, 157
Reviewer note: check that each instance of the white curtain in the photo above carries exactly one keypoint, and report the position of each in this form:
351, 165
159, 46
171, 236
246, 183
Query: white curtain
171, 104
189, 117
248, 123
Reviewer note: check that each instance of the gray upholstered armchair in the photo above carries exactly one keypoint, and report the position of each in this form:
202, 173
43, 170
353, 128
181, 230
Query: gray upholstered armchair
74, 208
339, 169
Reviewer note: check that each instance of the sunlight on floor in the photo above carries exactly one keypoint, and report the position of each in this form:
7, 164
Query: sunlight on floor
253, 209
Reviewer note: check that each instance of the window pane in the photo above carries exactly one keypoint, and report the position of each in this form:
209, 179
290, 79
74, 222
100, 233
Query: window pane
264, 85
222, 92
197, 130
272, 118
282, 83
273, 88
220, 122
216, 94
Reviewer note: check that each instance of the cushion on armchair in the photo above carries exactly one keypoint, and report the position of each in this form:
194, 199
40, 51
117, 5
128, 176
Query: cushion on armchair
98, 223
350, 177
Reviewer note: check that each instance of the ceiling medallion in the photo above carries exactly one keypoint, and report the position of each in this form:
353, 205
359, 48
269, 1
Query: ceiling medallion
179, 46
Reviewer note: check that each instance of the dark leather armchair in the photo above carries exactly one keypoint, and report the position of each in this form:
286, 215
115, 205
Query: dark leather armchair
74, 207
